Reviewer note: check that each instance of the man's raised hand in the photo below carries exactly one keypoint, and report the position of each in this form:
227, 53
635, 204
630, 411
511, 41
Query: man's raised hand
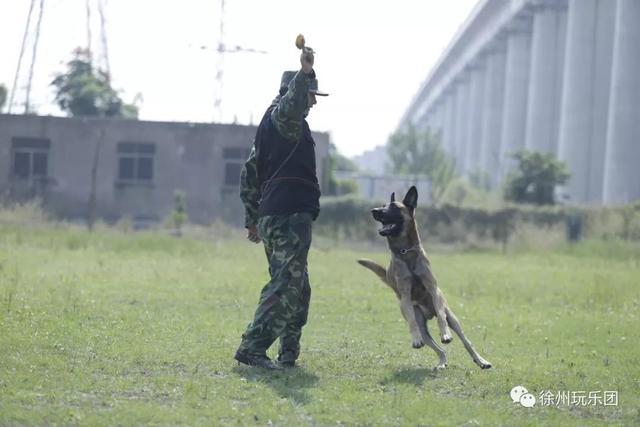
306, 57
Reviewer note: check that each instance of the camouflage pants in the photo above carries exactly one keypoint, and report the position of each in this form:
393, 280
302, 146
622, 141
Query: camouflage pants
284, 301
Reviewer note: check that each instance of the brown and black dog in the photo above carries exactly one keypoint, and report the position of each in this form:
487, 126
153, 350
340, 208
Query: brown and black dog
411, 278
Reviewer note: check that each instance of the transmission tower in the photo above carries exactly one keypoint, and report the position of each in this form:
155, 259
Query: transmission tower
104, 51
22, 83
221, 50
219, 82
21, 90
99, 59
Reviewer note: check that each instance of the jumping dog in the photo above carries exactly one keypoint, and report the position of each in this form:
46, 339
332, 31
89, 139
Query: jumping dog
410, 276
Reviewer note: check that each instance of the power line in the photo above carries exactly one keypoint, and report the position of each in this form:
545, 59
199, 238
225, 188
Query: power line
103, 39
30, 39
221, 50
219, 82
33, 57
22, 83
89, 37
22, 49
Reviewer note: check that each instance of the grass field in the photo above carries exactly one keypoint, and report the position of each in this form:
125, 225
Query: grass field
108, 328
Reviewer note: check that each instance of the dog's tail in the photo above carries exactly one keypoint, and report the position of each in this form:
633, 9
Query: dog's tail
380, 271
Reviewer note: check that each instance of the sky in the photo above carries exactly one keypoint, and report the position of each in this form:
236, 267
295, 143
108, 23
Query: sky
371, 56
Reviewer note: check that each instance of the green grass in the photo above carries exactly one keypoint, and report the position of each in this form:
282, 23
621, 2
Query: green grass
108, 328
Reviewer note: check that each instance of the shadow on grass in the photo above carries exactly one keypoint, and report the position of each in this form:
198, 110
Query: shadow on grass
289, 384
415, 376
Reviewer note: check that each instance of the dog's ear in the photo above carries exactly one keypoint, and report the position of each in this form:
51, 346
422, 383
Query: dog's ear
393, 197
411, 198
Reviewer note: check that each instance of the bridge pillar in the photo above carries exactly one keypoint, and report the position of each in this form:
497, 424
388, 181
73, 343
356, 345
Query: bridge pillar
436, 128
621, 183
585, 96
545, 83
462, 122
449, 124
515, 90
493, 109
475, 119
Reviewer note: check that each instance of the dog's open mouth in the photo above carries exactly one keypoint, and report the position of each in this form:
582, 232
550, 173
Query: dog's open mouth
389, 228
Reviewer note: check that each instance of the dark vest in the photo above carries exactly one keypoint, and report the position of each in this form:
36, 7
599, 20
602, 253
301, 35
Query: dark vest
294, 187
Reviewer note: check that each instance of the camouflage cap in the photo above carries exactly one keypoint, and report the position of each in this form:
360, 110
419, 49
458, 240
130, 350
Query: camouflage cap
313, 88
287, 76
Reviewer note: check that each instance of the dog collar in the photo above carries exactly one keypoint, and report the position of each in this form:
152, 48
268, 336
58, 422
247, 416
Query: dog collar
405, 251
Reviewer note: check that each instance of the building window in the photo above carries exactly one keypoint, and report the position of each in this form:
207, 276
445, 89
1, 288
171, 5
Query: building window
135, 162
234, 159
30, 158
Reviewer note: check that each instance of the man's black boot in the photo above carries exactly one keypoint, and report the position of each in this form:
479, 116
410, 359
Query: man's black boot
261, 361
287, 363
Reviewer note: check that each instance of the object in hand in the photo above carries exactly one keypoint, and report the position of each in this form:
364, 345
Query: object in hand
300, 41
301, 44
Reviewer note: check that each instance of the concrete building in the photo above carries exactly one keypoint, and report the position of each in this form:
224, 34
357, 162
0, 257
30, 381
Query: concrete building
557, 76
131, 167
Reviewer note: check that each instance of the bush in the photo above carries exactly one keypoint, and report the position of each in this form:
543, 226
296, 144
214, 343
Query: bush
3, 95
178, 216
346, 217
30, 212
345, 187
535, 178
349, 218
462, 193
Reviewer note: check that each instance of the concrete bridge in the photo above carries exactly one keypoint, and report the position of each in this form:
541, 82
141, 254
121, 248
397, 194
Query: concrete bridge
558, 76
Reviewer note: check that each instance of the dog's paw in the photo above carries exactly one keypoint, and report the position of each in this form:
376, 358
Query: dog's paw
446, 339
439, 366
417, 343
483, 364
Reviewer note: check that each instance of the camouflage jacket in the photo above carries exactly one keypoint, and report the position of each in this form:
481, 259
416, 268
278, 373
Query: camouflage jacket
288, 113
250, 190
292, 108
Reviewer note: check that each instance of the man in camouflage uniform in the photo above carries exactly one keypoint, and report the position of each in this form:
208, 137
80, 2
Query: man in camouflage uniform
280, 191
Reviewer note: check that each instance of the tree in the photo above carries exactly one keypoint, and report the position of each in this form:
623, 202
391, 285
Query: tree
535, 178
419, 153
341, 163
337, 162
84, 90
3, 95
92, 208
